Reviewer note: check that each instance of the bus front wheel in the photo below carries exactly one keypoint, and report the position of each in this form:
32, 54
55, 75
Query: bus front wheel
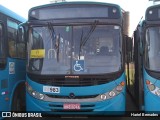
18, 102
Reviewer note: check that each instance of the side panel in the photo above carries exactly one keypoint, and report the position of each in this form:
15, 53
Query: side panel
16, 76
4, 79
11, 77
4, 89
11, 73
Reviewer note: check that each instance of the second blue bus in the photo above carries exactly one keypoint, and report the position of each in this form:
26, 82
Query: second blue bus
12, 62
145, 54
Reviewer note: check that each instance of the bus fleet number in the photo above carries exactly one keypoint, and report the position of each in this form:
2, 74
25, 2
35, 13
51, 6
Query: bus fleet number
51, 89
54, 90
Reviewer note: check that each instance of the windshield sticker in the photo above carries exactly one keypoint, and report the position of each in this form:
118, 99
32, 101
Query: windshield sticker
81, 57
39, 53
78, 65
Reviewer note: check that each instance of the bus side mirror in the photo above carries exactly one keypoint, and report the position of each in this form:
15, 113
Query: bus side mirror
129, 46
128, 42
21, 41
138, 41
20, 34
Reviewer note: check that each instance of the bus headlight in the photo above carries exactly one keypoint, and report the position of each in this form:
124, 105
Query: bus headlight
157, 92
112, 93
117, 90
34, 93
103, 97
152, 88
37, 95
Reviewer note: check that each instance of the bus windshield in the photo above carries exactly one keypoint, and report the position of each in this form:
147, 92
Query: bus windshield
152, 48
74, 49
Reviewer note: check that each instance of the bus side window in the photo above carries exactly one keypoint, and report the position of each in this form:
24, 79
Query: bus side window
2, 48
1, 42
12, 36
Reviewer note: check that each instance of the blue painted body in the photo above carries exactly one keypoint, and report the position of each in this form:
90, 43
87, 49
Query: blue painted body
10, 81
115, 105
151, 101
13, 80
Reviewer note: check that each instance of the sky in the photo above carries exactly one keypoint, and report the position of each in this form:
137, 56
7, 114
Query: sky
136, 8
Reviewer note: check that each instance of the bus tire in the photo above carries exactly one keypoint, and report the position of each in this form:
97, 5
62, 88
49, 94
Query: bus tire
18, 102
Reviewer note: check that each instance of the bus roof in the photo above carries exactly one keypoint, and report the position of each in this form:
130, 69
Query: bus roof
49, 11
76, 3
11, 14
153, 13
153, 6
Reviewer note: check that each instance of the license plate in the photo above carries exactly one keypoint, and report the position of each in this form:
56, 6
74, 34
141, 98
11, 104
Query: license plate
51, 89
71, 106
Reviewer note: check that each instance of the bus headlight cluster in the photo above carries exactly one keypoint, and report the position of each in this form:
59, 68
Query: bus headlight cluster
157, 92
112, 93
152, 88
117, 90
34, 93
103, 97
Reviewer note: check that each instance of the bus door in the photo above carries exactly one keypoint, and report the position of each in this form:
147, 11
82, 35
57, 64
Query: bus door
4, 87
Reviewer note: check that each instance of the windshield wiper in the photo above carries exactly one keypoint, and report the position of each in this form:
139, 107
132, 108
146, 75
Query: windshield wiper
57, 47
80, 43
93, 26
51, 30
52, 36
83, 40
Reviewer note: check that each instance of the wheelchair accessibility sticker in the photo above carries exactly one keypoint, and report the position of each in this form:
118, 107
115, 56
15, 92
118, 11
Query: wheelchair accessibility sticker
78, 65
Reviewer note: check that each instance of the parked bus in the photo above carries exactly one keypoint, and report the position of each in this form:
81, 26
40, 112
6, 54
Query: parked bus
76, 60
12, 62
145, 88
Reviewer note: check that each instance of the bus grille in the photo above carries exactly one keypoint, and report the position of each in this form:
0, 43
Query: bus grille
81, 80
67, 97
74, 82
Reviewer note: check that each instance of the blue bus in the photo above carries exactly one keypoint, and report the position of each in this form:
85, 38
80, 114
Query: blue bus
145, 87
76, 58
12, 61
